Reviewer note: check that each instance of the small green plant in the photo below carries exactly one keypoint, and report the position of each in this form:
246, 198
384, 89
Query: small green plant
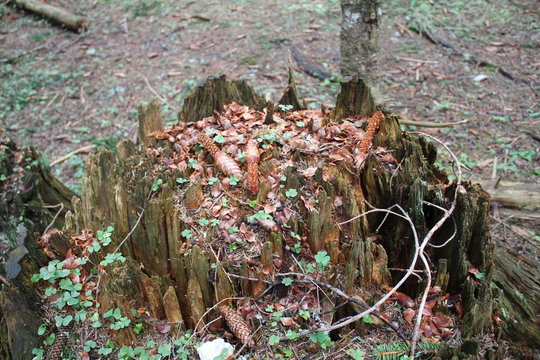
367, 319
273, 340
291, 193
259, 215
112, 257
282, 107
138, 328
181, 180
219, 139
241, 155
356, 354
322, 338
117, 320
297, 248
304, 314
157, 183
322, 259
192, 163
233, 180
287, 281
187, 234
291, 334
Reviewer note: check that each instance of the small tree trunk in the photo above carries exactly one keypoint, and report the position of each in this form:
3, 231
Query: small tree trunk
360, 41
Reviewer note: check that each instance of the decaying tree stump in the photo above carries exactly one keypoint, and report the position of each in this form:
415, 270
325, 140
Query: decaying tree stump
112, 197
161, 200
30, 200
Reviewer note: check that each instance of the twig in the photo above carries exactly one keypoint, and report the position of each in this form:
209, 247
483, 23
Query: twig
381, 301
438, 225
341, 293
130, 232
209, 310
455, 226
163, 100
470, 59
55, 216
404, 270
405, 121
309, 280
404, 28
5, 281
83, 149
25, 53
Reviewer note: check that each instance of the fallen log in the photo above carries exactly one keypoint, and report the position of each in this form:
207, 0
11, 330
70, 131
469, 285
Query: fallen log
513, 194
54, 13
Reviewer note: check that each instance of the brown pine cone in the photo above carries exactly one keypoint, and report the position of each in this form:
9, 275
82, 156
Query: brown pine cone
252, 160
223, 161
237, 325
62, 337
208, 144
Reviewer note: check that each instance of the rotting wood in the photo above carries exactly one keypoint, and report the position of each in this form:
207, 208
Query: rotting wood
149, 121
172, 307
308, 67
56, 14
360, 250
290, 94
517, 280
428, 34
513, 194
214, 94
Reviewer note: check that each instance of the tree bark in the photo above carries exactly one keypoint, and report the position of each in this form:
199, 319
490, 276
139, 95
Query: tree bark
360, 41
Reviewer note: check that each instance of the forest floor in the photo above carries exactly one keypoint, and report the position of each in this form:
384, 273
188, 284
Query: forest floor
60, 91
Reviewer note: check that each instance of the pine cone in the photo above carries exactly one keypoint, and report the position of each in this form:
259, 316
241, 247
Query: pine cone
237, 325
55, 351
252, 160
208, 144
367, 141
223, 161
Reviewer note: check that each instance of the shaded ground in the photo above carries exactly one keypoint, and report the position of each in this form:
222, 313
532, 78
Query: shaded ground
60, 90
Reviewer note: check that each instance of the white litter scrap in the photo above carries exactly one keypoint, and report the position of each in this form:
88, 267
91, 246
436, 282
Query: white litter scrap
212, 349
479, 78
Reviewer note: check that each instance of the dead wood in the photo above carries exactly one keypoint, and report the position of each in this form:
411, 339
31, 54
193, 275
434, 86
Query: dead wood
307, 66
54, 13
430, 36
513, 194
